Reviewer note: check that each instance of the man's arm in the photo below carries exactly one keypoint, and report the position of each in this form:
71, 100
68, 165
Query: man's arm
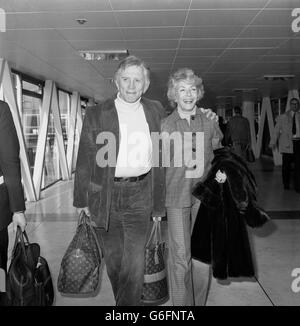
83, 164
10, 166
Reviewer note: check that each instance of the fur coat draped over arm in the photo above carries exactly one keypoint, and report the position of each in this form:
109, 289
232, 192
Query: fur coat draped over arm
220, 236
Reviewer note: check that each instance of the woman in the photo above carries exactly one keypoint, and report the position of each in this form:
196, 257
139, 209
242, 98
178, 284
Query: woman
193, 136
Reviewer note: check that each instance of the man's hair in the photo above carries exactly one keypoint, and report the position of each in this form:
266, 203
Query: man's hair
133, 61
237, 110
295, 99
183, 74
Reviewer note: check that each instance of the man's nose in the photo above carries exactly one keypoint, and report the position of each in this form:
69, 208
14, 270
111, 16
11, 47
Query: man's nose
132, 84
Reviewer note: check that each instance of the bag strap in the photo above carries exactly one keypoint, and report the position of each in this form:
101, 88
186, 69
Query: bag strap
155, 232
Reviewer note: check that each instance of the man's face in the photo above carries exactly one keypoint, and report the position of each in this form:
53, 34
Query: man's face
294, 105
186, 95
131, 83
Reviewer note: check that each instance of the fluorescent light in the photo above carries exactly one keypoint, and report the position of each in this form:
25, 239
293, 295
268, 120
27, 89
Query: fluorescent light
244, 89
103, 55
278, 77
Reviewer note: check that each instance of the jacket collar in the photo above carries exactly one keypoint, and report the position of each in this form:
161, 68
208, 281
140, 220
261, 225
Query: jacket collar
175, 115
109, 105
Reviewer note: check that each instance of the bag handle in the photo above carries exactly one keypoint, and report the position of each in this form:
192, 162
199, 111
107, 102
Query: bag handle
20, 239
155, 232
87, 223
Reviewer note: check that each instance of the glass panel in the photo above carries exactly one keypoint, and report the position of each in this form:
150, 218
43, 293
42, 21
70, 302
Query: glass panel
64, 105
31, 125
31, 87
51, 165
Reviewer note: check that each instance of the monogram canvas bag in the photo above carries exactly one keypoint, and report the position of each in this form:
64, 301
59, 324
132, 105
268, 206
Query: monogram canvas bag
155, 288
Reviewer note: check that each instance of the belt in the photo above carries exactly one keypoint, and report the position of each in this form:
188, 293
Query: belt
1, 180
130, 179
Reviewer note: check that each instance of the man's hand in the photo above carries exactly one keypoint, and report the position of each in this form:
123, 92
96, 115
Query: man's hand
19, 219
85, 209
210, 114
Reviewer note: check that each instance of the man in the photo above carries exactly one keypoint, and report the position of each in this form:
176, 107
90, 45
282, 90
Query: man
122, 195
12, 204
287, 135
238, 133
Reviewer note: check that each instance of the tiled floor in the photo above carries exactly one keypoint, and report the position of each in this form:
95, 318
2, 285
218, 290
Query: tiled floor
276, 246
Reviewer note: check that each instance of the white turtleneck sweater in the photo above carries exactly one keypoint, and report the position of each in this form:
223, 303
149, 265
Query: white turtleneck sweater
135, 152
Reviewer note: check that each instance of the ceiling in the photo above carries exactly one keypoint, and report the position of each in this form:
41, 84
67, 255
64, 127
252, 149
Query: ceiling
231, 44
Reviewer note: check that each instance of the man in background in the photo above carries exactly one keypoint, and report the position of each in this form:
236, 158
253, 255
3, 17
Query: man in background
287, 137
238, 133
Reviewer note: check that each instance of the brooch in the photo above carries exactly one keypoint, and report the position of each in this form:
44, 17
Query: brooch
220, 177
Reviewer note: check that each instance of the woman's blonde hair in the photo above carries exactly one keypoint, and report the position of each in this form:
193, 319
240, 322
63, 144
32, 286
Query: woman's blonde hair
187, 75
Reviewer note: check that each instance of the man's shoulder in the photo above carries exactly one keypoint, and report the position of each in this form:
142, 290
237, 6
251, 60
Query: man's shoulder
148, 101
156, 105
106, 105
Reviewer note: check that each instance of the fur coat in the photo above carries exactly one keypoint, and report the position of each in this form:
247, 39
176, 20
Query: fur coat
220, 236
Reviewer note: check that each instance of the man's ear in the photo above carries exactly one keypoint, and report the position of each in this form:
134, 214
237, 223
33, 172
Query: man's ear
116, 83
146, 86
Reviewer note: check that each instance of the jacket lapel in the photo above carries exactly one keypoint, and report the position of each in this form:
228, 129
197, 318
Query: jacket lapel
149, 114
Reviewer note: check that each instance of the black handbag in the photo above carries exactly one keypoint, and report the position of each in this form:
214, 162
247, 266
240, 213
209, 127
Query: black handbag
249, 154
29, 281
155, 287
80, 266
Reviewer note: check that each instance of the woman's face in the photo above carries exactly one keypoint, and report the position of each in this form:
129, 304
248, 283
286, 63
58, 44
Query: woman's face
186, 95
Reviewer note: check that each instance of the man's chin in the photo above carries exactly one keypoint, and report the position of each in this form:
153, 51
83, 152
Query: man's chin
131, 99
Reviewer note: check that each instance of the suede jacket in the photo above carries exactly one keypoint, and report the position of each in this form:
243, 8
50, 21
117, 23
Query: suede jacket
93, 183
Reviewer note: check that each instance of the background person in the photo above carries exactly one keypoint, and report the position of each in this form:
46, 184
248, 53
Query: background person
287, 137
238, 133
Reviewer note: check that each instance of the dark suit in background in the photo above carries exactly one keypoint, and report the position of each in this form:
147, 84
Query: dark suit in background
238, 133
